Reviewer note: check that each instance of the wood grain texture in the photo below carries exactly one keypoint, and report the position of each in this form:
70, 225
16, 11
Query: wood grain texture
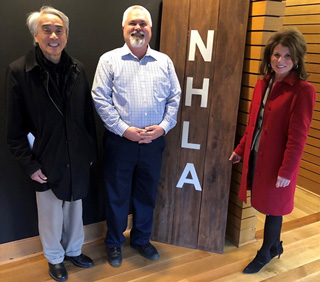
290, 3
299, 262
187, 199
222, 124
188, 217
265, 8
174, 44
265, 23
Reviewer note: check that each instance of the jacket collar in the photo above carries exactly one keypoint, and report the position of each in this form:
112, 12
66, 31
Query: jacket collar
290, 79
32, 63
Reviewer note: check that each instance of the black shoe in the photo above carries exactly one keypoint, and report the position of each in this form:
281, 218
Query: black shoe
258, 262
276, 251
58, 272
114, 256
147, 250
80, 261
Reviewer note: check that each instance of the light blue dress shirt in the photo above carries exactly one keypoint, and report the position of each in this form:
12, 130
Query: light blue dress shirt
130, 92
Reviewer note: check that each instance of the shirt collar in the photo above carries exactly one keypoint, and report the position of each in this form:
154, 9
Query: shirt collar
125, 50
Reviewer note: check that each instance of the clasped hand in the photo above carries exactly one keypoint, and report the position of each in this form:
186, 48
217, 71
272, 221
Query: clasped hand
143, 135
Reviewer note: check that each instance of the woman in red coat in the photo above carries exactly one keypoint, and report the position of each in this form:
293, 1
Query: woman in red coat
273, 143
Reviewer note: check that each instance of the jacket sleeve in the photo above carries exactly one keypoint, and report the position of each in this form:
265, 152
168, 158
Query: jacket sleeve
239, 150
299, 123
17, 125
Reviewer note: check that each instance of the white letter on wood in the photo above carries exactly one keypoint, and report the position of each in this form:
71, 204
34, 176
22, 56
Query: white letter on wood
203, 92
185, 134
194, 180
195, 39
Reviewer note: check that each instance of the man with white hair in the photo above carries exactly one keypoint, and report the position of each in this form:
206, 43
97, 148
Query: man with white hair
136, 93
49, 97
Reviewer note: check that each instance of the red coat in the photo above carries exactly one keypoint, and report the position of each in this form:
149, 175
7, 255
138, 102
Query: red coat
286, 122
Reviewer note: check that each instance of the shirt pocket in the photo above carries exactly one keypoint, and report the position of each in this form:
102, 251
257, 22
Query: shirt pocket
161, 87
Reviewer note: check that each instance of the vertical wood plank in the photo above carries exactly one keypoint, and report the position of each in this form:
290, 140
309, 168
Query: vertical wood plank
173, 42
222, 124
185, 216
187, 199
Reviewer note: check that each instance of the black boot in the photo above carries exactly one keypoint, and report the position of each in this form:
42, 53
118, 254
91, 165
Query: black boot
258, 262
276, 251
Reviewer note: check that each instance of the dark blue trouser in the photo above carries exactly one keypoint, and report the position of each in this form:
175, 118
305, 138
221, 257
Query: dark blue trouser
131, 173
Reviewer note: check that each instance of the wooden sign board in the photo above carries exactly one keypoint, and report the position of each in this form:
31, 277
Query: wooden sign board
206, 41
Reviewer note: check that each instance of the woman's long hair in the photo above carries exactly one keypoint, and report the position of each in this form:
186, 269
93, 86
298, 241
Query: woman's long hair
294, 40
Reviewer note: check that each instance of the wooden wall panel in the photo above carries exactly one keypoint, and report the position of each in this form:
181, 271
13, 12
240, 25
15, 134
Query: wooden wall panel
186, 216
268, 23
222, 125
187, 199
300, 2
304, 15
253, 52
301, 10
263, 8
165, 208
258, 37
307, 19
309, 29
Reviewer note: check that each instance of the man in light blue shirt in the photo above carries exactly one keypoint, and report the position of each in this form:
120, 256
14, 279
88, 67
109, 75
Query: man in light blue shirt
136, 93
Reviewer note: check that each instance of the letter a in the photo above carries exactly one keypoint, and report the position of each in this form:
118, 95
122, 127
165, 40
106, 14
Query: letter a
194, 180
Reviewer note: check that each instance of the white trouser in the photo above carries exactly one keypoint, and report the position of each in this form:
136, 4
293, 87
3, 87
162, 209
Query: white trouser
60, 226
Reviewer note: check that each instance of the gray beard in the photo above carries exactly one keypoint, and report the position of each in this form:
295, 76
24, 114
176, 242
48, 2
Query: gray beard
137, 41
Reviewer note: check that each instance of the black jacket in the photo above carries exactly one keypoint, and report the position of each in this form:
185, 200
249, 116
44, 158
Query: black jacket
65, 141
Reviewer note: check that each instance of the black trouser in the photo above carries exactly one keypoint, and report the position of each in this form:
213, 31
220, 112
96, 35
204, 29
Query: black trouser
132, 173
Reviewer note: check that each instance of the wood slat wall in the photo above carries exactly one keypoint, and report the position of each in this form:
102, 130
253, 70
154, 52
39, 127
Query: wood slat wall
305, 15
265, 17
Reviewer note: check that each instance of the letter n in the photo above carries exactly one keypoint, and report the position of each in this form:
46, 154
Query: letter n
195, 40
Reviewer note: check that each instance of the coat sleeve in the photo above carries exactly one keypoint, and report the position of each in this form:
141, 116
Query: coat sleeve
17, 125
299, 123
239, 150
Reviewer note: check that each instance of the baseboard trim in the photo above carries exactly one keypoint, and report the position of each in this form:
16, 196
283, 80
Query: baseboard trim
31, 247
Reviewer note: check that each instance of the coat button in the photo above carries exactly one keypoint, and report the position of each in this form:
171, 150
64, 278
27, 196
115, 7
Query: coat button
68, 165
